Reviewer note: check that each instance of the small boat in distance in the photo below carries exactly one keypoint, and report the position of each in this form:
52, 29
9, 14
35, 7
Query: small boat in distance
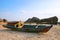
27, 27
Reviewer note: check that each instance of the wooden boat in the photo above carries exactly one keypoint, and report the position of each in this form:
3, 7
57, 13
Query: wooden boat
28, 27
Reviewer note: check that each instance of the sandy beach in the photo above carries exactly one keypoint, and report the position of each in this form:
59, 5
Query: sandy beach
53, 34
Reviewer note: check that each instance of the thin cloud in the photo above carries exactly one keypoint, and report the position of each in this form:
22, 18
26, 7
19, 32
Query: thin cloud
23, 11
41, 14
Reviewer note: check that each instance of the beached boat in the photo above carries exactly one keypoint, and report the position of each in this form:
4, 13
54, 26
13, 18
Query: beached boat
29, 27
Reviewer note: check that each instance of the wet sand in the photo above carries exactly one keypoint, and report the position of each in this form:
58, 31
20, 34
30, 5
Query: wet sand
52, 34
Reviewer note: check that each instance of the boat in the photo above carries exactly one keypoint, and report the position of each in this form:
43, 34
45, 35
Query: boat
27, 27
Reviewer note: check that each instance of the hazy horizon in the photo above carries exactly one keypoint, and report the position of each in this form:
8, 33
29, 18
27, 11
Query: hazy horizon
14, 10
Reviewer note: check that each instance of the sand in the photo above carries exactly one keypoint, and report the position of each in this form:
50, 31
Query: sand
52, 34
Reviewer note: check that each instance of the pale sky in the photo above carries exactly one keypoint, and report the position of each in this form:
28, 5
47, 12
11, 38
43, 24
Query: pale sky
14, 10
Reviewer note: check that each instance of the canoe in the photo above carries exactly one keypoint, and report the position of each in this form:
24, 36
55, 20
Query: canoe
31, 28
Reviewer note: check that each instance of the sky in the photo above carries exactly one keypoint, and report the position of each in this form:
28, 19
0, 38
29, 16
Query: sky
14, 10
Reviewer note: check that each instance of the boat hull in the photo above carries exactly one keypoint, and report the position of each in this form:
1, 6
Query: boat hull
30, 28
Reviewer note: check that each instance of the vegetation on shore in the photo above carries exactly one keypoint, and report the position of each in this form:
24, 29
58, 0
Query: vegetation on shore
51, 20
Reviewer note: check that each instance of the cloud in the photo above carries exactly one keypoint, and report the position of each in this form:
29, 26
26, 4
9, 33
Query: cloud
23, 11
41, 13
51, 11
25, 14
54, 10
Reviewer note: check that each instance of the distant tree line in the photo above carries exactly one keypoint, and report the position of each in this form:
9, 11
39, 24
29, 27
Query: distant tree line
51, 20
59, 23
3, 20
